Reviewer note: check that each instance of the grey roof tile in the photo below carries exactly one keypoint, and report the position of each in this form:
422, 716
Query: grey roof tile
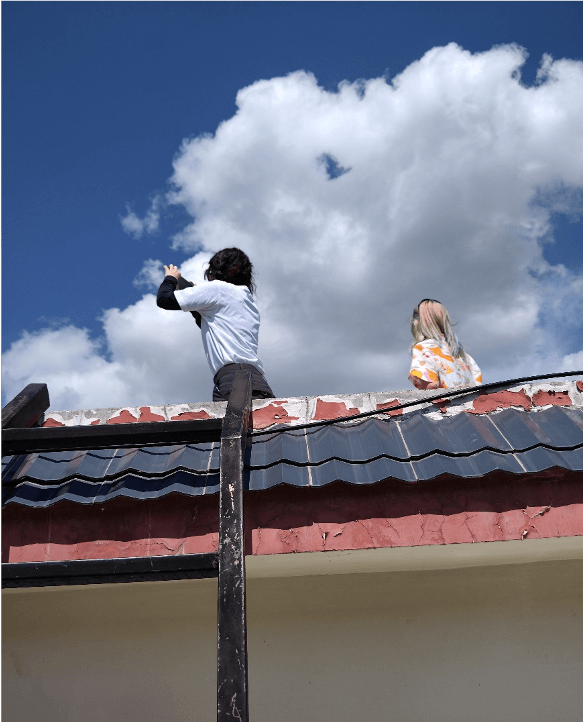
539, 459
410, 448
357, 442
368, 473
556, 426
461, 434
278, 474
270, 449
476, 465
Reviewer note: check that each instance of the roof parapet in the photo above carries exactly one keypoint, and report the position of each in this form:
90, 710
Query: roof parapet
299, 410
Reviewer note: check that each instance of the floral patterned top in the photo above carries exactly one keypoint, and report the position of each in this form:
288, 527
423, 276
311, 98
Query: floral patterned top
432, 361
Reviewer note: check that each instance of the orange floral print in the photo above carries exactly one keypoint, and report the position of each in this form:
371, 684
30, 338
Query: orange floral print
433, 362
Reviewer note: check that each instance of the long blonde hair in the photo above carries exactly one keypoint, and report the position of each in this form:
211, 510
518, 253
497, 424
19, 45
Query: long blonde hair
431, 320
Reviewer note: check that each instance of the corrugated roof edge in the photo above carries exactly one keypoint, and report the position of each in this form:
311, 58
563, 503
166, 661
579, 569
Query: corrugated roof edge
294, 411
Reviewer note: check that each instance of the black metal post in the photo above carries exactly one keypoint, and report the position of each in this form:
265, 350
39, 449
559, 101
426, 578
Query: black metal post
27, 407
109, 571
232, 692
77, 438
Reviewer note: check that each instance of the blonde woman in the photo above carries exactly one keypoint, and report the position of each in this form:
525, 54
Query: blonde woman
439, 360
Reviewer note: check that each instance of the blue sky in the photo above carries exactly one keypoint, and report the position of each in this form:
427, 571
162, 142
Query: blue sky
98, 98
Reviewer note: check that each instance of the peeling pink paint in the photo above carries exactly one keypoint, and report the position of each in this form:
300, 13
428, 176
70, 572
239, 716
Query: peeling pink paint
50, 423
272, 414
146, 414
442, 403
500, 400
557, 398
288, 519
191, 416
322, 408
332, 410
124, 418
388, 405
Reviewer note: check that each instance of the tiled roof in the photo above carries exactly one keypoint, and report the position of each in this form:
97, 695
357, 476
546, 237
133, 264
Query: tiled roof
409, 448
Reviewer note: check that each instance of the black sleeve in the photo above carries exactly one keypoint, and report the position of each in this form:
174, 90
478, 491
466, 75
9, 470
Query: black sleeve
166, 298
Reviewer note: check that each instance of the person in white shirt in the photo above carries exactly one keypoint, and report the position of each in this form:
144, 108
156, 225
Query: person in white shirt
227, 314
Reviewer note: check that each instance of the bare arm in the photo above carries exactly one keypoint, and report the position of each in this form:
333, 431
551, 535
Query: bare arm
421, 384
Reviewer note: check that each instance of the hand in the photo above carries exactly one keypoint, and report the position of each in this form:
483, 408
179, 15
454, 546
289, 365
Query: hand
423, 385
172, 270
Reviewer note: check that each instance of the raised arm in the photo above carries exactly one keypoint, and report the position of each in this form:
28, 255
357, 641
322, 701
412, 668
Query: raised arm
166, 298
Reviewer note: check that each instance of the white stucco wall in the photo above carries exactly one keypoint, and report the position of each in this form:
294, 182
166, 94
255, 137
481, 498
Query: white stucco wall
484, 642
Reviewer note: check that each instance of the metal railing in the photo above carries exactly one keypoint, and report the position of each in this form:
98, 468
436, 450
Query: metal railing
21, 435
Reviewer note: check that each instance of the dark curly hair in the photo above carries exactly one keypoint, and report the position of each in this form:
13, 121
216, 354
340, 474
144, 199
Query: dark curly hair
233, 266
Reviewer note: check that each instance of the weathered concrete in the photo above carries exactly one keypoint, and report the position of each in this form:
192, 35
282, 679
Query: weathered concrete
303, 409
287, 519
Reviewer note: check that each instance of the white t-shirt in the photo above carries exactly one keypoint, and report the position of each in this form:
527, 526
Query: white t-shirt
230, 322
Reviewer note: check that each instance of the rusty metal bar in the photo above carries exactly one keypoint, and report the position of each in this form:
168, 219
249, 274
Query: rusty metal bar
232, 688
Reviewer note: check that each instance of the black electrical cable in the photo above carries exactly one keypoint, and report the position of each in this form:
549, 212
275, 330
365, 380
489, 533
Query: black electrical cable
418, 402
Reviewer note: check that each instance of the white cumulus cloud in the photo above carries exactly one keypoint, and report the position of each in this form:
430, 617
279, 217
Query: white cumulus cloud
353, 206
150, 223
151, 274
573, 362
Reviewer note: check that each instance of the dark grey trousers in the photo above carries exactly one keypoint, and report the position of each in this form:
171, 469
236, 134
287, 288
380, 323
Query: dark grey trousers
223, 380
